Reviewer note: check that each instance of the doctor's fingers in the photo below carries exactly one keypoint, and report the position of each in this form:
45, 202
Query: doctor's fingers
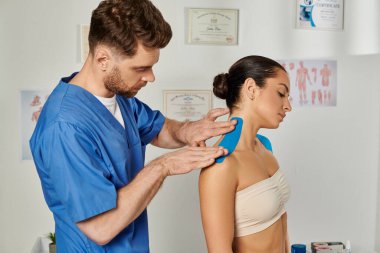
203, 150
194, 160
186, 167
207, 133
191, 156
213, 114
219, 128
203, 156
199, 144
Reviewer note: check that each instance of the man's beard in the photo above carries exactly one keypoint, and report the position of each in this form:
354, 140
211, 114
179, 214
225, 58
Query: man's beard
115, 84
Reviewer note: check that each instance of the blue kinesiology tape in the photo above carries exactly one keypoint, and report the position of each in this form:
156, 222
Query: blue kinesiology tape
265, 141
231, 139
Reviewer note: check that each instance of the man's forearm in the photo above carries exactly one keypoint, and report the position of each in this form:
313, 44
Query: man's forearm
171, 135
132, 199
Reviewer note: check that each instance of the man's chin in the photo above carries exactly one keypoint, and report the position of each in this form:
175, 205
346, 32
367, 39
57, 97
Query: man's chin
127, 94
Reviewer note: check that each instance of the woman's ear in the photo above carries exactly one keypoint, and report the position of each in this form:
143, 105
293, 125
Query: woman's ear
250, 88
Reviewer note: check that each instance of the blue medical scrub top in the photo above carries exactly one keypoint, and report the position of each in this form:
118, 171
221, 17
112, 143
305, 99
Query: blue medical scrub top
83, 156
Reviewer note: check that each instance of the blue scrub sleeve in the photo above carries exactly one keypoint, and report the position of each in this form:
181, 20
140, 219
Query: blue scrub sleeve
76, 171
149, 122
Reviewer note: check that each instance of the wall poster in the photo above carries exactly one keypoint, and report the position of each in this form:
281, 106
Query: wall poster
320, 14
32, 102
312, 82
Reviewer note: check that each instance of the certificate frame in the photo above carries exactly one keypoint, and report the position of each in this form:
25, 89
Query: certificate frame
84, 47
185, 105
212, 26
320, 15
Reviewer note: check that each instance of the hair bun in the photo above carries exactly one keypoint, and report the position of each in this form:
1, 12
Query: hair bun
221, 85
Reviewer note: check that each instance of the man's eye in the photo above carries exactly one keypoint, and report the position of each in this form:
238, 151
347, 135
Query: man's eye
142, 69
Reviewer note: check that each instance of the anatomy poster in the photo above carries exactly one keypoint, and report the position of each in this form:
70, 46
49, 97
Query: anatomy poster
312, 82
32, 102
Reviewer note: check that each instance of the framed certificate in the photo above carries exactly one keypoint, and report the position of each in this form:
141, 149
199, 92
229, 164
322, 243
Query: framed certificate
212, 26
184, 105
320, 14
84, 47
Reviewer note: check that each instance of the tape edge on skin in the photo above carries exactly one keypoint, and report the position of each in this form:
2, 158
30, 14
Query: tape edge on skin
228, 136
265, 141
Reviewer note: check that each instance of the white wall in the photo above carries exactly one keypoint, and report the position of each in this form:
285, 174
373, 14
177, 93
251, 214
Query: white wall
330, 155
377, 235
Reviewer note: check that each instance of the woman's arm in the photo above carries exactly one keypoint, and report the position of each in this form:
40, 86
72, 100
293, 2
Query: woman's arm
217, 189
284, 219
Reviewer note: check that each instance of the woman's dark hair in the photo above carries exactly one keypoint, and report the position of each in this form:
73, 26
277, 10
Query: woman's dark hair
228, 85
120, 24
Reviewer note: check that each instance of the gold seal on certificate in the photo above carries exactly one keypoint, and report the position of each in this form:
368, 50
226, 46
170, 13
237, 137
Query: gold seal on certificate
187, 104
213, 26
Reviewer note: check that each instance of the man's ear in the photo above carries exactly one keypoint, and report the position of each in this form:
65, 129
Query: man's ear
102, 57
250, 88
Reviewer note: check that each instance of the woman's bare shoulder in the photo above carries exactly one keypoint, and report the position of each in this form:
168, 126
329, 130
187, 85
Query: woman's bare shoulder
224, 171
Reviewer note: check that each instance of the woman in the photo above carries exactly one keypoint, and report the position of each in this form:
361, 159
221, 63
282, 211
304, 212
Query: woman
243, 195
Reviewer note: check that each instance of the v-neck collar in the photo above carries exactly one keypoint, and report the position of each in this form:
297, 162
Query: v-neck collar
96, 105
127, 115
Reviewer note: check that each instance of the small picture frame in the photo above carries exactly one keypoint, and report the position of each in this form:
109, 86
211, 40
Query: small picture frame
185, 105
212, 26
320, 14
84, 47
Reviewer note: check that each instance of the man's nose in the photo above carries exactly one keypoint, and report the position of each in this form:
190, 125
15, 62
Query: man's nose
149, 77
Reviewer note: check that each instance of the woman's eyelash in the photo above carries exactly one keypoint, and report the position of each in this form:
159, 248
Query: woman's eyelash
281, 95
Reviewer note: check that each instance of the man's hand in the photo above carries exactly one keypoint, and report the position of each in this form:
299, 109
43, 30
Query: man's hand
195, 133
176, 134
187, 159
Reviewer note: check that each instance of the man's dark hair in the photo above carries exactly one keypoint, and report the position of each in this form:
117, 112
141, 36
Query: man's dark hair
121, 24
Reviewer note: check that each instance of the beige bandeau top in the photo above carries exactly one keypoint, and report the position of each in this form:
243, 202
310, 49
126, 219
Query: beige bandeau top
260, 205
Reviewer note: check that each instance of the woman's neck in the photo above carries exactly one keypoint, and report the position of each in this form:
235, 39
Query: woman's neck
248, 132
